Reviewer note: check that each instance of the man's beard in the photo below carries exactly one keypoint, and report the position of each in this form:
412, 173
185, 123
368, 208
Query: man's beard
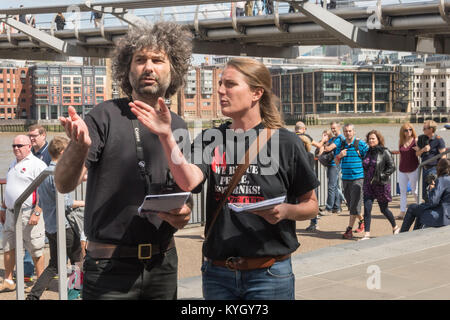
156, 90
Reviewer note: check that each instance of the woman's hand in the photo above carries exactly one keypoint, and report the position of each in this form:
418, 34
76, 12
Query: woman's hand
157, 121
274, 215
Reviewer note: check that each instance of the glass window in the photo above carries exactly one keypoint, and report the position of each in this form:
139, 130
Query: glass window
76, 80
99, 81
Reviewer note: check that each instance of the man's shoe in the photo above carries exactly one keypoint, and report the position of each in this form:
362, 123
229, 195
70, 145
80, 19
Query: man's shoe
325, 213
336, 211
360, 228
312, 227
7, 287
31, 297
348, 234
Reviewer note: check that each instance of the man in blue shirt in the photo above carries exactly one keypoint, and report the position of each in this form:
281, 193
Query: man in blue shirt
47, 201
349, 155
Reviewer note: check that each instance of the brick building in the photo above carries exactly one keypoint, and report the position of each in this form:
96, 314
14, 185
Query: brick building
56, 87
198, 99
16, 93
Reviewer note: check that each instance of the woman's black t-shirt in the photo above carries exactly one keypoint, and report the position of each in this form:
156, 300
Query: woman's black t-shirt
282, 168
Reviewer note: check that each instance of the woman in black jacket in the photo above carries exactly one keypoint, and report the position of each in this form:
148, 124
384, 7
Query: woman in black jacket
378, 167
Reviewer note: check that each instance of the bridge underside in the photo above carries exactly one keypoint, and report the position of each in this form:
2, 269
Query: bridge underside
415, 27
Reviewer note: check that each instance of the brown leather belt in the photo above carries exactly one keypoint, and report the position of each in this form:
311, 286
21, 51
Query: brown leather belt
143, 251
238, 263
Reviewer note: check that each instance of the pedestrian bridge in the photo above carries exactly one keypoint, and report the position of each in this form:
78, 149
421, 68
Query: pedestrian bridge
397, 25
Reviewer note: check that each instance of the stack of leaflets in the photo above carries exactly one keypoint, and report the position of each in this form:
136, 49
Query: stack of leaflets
262, 205
154, 203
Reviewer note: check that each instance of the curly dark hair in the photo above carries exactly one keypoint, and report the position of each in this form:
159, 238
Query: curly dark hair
173, 39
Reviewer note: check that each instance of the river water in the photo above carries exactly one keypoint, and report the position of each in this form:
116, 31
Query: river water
389, 131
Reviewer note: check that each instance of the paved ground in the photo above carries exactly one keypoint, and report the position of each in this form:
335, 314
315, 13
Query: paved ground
329, 267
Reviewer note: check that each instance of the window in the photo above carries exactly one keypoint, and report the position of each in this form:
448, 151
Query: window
77, 90
67, 99
67, 90
99, 81
66, 80
76, 80
99, 90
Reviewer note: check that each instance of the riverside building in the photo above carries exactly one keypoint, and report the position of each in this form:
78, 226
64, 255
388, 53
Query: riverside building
15, 92
349, 90
56, 87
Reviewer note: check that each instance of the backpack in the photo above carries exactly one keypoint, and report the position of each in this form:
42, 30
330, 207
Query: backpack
97, 15
356, 145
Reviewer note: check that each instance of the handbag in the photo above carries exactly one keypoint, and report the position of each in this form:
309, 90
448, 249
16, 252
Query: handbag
74, 284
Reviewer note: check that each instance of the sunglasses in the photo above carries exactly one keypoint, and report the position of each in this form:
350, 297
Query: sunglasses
19, 145
406, 130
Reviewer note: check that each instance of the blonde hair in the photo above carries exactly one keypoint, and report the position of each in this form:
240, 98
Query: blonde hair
402, 139
328, 133
306, 142
258, 76
432, 124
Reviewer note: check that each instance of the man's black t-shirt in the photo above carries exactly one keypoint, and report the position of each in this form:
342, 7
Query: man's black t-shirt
436, 143
115, 188
246, 234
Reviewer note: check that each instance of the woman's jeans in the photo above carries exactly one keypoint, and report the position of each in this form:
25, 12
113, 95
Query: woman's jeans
368, 204
335, 196
403, 178
274, 283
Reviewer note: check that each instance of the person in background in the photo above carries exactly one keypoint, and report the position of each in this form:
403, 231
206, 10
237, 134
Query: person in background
313, 225
409, 163
435, 146
239, 7
22, 172
38, 137
127, 256
60, 21
435, 212
249, 8
47, 201
300, 130
334, 195
236, 264
97, 17
349, 155
378, 168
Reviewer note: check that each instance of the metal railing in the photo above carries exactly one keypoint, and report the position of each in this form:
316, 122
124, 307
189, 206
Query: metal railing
61, 238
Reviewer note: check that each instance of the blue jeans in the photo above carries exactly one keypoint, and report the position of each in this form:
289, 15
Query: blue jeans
28, 265
335, 196
274, 283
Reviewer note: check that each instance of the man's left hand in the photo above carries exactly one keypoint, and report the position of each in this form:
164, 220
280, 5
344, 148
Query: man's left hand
34, 219
177, 218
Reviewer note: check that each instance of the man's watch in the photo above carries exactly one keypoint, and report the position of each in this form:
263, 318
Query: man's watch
37, 213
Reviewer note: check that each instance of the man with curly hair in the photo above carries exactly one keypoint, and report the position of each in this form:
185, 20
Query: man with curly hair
129, 257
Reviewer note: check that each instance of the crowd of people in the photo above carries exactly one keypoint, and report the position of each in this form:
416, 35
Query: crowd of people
365, 168
135, 146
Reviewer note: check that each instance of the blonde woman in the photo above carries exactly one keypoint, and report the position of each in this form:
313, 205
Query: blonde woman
409, 163
247, 255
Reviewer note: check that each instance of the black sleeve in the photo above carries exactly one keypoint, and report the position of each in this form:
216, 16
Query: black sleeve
98, 138
303, 176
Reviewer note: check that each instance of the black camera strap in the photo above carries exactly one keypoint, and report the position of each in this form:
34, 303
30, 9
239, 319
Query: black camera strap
145, 174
